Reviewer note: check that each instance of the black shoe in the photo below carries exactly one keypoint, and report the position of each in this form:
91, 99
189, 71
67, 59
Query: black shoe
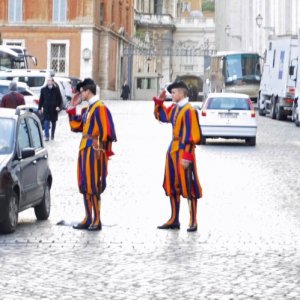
81, 226
52, 138
192, 228
169, 226
95, 227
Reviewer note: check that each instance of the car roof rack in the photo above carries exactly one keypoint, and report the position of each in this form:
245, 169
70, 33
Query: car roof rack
28, 108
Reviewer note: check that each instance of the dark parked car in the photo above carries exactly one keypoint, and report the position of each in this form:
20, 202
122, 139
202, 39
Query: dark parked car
25, 176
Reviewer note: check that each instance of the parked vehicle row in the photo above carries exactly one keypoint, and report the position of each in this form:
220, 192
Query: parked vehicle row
25, 176
37, 79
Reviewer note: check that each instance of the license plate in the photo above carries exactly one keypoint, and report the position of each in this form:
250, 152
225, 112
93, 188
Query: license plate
228, 115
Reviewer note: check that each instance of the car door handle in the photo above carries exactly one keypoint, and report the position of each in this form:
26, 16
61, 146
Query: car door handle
34, 162
46, 156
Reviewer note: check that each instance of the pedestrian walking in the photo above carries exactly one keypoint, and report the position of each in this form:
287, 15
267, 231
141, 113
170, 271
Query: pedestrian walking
98, 133
181, 178
13, 98
50, 104
125, 91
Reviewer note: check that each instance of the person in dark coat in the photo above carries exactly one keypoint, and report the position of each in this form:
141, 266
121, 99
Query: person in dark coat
50, 103
125, 91
13, 98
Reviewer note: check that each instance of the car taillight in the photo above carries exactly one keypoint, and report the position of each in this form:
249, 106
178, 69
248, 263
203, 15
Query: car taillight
291, 90
290, 100
37, 101
203, 113
253, 114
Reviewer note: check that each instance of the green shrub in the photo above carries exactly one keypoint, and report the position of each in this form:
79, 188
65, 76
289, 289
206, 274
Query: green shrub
208, 5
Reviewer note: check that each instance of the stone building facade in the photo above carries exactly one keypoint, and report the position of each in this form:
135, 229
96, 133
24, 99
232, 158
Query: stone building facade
81, 38
279, 17
176, 39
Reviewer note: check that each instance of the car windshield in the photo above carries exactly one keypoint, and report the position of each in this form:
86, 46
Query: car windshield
3, 89
243, 67
6, 135
228, 104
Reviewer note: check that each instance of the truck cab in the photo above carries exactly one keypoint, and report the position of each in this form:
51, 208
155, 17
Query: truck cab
277, 92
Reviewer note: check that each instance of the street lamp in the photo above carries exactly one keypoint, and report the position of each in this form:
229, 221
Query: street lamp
259, 21
228, 30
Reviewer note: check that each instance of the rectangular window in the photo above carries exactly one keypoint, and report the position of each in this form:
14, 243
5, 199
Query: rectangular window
158, 7
15, 11
59, 11
12, 43
58, 56
102, 8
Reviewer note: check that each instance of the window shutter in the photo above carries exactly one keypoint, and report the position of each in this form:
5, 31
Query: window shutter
11, 10
63, 11
55, 10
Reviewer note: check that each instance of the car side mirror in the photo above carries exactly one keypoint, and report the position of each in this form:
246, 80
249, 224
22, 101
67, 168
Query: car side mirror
34, 60
27, 152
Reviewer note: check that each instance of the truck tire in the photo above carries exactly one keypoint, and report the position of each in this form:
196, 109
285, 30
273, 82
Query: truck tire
42, 211
297, 121
251, 141
280, 115
273, 107
9, 224
261, 112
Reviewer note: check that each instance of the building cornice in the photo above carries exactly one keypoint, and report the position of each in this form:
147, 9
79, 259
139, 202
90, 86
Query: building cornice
59, 27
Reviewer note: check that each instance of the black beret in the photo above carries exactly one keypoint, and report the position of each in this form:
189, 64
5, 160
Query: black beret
176, 85
85, 82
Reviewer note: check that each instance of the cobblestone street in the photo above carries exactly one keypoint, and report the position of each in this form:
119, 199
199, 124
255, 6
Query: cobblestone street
248, 240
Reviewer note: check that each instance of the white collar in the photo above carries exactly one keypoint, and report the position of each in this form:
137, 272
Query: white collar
183, 102
93, 100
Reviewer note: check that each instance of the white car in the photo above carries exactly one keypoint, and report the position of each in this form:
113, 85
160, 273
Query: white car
30, 97
229, 116
67, 85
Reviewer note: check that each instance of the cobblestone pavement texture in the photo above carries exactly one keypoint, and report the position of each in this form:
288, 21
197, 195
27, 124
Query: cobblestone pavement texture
247, 245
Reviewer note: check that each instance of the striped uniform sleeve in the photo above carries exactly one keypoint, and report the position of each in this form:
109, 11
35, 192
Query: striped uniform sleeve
76, 121
163, 113
191, 133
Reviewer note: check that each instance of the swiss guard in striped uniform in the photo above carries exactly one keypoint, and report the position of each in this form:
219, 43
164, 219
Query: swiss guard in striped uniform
181, 178
98, 133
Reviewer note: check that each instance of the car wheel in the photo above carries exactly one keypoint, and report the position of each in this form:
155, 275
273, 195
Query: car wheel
251, 141
11, 221
280, 115
42, 211
203, 140
296, 119
273, 108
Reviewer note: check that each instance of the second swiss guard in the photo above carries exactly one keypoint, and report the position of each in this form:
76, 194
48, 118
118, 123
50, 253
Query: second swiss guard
181, 177
98, 132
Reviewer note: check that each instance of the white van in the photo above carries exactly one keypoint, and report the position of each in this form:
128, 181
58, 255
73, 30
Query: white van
35, 79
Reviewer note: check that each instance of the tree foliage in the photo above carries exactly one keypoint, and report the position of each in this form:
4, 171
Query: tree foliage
208, 5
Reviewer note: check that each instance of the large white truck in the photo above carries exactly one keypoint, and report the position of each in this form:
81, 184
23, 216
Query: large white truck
15, 57
296, 105
277, 92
